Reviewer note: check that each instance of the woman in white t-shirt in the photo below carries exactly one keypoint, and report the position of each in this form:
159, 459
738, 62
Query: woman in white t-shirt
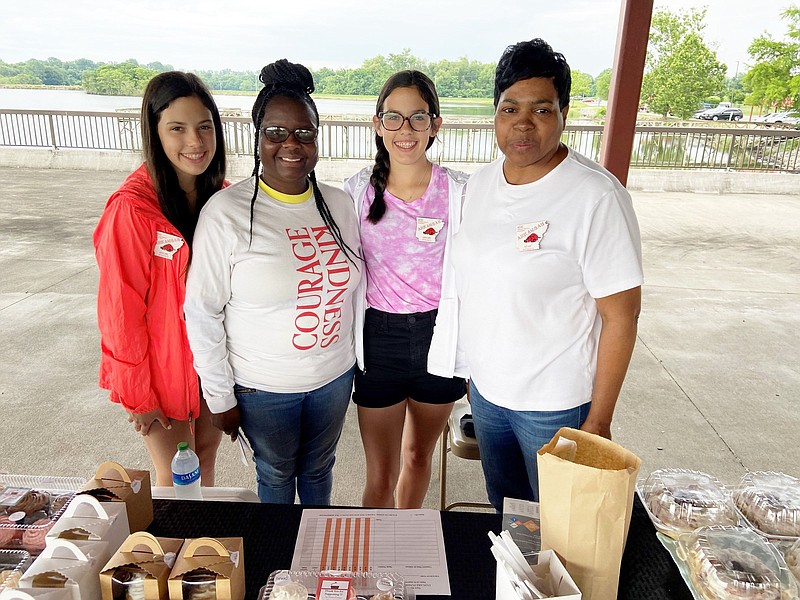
408, 370
549, 271
269, 299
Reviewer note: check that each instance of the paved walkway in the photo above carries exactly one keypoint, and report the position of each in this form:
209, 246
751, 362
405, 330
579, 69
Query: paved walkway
714, 382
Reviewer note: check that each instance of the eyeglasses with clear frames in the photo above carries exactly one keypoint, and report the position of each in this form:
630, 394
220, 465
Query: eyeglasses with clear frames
393, 121
276, 134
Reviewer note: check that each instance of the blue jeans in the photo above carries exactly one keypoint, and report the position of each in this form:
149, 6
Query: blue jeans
508, 441
294, 438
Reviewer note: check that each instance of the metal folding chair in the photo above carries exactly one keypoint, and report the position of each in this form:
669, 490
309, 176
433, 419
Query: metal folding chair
455, 442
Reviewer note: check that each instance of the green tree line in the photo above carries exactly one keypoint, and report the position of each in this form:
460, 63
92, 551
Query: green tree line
682, 70
462, 78
774, 80
45, 72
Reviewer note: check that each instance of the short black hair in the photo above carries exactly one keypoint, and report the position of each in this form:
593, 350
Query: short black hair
526, 60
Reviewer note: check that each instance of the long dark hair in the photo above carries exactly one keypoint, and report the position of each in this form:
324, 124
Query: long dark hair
380, 172
293, 81
161, 91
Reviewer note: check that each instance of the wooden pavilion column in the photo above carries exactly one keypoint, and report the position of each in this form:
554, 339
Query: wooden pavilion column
626, 86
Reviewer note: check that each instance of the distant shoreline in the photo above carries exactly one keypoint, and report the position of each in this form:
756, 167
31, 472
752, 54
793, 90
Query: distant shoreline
27, 86
77, 88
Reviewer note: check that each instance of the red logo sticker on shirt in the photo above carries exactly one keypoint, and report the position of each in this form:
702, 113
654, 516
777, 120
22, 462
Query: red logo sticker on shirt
428, 229
529, 235
167, 245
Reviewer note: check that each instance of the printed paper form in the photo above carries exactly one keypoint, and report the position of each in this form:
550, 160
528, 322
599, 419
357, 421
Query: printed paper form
408, 542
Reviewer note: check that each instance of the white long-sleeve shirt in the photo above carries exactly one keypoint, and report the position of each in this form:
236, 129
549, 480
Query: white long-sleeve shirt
275, 314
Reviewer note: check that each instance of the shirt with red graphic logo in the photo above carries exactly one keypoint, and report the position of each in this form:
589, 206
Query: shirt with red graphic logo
529, 261
404, 251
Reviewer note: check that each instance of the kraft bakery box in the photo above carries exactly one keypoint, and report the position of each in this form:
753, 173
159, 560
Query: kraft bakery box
86, 522
114, 483
143, 562
214, 565
63, 565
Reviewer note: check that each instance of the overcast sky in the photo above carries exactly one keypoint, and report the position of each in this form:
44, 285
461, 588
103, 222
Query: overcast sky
245, 35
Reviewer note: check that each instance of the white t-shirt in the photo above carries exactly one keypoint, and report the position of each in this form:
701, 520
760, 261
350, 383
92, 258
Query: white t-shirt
277, 314
529, 261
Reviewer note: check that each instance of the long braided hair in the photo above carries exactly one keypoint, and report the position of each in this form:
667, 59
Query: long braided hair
293, 81
380, 172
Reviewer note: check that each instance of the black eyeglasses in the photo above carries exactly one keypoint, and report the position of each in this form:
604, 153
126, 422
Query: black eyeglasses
393, 121
276, 134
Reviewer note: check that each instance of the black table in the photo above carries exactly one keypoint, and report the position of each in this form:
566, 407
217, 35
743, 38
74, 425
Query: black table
270, 531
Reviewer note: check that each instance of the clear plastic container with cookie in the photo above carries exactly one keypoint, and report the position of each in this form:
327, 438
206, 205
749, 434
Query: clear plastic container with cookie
770, 503
301, 585
791, 554
12, 564
679, 501
729, 563
29, 507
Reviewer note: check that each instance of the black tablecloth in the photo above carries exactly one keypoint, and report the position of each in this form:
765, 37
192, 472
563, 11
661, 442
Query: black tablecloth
270, 531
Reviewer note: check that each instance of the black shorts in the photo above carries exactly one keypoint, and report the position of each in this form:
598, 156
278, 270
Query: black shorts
396, 362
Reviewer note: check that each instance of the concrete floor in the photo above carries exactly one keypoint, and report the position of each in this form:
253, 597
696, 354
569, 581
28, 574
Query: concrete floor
714, 383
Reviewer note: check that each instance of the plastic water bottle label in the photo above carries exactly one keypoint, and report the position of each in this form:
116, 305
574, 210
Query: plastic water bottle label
186, 478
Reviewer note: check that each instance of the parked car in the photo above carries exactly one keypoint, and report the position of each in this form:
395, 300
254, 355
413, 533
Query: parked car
763, 118
704, 106
721, 113
790, 117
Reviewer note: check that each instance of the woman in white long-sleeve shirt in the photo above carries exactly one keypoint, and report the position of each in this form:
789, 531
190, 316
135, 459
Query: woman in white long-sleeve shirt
269, 299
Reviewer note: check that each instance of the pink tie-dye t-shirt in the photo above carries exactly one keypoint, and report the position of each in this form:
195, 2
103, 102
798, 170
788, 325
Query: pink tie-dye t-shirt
404, 251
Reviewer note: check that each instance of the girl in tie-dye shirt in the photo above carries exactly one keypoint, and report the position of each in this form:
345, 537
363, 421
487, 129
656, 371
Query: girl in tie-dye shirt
410, 369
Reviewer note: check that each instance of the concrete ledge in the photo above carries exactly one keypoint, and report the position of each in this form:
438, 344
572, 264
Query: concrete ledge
335, 171
712, 182
239, 167
80, 160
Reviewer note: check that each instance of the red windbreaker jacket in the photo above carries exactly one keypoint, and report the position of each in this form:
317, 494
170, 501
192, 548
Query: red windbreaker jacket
146, 361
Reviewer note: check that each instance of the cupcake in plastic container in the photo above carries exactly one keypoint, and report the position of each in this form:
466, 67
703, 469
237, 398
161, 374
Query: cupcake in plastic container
770, 502
728, 563
679, 501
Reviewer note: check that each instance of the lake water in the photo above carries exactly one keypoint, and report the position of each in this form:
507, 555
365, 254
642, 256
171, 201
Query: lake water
76, 100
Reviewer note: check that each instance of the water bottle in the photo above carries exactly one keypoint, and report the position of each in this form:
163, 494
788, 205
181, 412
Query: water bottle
186, 473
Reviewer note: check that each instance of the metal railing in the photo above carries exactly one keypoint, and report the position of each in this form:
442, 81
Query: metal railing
734, 146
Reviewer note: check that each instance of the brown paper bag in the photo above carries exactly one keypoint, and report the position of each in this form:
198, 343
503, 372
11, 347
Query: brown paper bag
586, 493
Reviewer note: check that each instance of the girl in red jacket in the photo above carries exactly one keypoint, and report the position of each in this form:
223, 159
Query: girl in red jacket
142, 245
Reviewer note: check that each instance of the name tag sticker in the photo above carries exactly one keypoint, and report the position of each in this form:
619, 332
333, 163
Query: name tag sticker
428, 229
167, 245
529, 235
